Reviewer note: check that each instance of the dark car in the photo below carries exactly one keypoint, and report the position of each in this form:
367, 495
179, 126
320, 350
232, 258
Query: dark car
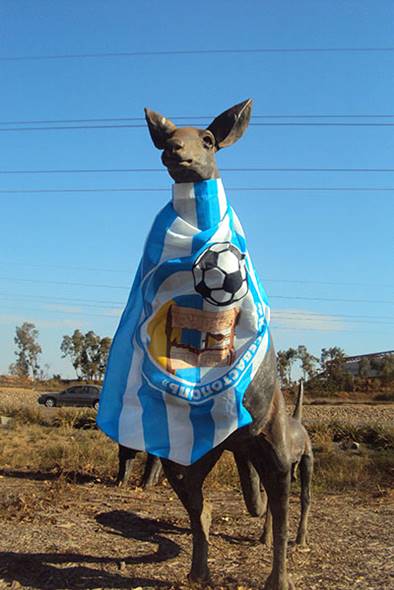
78, 395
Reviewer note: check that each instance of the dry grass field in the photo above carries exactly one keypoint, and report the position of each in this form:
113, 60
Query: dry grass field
65, 525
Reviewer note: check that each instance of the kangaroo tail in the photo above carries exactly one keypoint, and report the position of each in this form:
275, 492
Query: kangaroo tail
297, 413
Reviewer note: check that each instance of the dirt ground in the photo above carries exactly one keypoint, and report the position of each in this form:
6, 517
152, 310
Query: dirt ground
95, 535
91, 535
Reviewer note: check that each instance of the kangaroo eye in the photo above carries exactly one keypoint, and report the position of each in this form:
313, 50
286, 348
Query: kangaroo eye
207, 140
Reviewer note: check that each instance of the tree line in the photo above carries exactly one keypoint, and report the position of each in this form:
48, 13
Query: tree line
330, 372
87, 352
331, 362
330, 367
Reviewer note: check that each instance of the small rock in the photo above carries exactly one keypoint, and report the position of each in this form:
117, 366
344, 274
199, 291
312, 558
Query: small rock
5, 421
122, 566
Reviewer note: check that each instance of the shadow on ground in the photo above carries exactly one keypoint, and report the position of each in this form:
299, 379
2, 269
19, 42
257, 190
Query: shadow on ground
52, 571
132, 526
70, 476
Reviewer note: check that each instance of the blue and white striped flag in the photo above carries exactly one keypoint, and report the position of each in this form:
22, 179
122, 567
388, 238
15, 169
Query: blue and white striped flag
192, 336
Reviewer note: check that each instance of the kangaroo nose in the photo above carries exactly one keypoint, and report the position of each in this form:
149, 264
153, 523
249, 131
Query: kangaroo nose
177, 146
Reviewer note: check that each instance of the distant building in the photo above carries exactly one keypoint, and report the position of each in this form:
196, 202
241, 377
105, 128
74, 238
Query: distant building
370, 361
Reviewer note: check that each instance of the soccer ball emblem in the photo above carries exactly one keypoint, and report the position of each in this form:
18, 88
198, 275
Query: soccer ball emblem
220, 274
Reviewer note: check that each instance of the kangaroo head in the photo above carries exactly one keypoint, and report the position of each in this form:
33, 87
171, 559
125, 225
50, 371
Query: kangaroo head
188, 152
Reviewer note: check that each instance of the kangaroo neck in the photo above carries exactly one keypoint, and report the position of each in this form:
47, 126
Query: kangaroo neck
203, 204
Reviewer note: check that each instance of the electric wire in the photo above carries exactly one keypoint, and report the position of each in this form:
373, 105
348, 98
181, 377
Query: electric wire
162, 189
163, 170
124, 287
99, 303
199, 118
276, 316
12, 263
330, 328
143, 126
175, 52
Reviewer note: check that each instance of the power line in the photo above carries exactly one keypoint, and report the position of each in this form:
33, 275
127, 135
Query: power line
298, 328
276, 315
143, 125
332, 319
129, 272
163, 170
174, 52
66, 127
69, 283
63, 301
57, 311
343, 300
309, 282
318, 314
73, 300
98, 303
302, 329
124, 287
162, 189
198, 118
71, 267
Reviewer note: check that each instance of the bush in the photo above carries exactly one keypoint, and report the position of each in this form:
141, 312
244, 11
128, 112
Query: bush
64, 417
66, 443
59, 450
376, 436
387, 396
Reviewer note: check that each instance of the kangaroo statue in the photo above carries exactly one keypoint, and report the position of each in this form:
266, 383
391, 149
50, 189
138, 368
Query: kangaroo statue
192, 368
301, 462
189, 155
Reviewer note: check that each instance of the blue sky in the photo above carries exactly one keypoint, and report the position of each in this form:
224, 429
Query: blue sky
325, 257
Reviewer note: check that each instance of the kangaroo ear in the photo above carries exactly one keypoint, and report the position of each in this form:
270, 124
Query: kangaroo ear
230, 125
160, 128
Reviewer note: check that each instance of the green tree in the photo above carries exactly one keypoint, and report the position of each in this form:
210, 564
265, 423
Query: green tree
282, 364
88, 353
308, 362
364, 367
27, 352
291, 355
105, 345
91, 355
388, 368
332, 360
286, 360
333, 364
73, 346
384, 366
